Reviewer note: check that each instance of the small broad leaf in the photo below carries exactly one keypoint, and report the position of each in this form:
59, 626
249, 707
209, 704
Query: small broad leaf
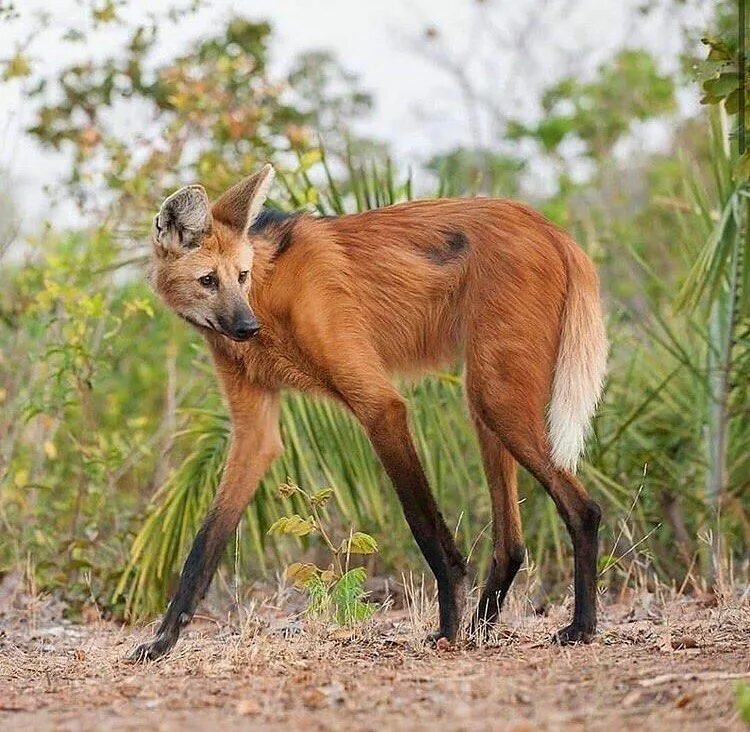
360, 543
299, 526
294, 525
277, 527
301, 573
328, 576
722, 85
321, 497
719, 51
288, 489
732, 102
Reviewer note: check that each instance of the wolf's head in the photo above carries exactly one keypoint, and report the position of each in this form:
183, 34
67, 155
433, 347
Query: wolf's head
202, 258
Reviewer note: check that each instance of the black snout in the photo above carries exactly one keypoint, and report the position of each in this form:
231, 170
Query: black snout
242, 325
243, 329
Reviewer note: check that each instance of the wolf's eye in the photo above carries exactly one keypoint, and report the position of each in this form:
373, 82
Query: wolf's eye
243, 277
208, 280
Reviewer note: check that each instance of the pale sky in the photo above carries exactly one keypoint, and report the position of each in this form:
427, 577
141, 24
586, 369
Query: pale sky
418, 108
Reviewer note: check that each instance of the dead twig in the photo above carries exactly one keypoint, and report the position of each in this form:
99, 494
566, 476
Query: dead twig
702, 676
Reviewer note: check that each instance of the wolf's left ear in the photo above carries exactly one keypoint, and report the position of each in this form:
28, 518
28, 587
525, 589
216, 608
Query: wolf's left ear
240, 205
183, 220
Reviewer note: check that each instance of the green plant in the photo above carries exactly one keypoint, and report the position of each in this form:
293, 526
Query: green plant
336, 591
627, 89
102, 466
742, 701
213, 113
73, 448
720, 277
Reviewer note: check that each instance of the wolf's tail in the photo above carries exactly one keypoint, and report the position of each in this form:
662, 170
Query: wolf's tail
581, 363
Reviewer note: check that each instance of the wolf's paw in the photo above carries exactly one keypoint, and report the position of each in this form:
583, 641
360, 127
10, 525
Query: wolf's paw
572, 634
158, 647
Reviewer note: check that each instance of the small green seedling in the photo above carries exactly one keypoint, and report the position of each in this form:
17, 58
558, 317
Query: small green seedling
336, 591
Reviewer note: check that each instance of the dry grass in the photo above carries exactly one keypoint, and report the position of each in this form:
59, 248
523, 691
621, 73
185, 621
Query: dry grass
658, 663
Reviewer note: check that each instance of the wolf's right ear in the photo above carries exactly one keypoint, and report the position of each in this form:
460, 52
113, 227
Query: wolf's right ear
183, 220
240, 205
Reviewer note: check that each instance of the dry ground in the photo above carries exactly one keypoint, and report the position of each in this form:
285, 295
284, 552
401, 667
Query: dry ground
655, 665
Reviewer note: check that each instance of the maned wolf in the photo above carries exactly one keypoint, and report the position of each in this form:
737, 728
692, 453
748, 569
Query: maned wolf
333, 306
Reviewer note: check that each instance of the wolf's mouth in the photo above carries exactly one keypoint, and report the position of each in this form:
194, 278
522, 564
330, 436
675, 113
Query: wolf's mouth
209, 324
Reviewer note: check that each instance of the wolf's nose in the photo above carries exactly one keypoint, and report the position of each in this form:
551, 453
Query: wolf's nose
246, 330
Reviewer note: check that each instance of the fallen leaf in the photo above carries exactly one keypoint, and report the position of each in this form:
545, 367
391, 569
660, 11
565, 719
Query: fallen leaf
684, 641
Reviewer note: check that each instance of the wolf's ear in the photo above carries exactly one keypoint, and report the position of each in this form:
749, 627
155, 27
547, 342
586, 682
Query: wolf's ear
183, 220
240, 205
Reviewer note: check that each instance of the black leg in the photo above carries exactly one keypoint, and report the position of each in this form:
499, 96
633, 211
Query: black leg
199, 569
583, 527
389, 434
254, 446
502, 573
508, 549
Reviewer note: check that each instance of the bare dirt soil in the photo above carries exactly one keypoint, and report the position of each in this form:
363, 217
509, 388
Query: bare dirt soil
655, 665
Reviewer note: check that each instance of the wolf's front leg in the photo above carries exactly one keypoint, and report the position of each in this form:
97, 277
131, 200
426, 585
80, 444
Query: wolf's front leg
196, 577
254, 446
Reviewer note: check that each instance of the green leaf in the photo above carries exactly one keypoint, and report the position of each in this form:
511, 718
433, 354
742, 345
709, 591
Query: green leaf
294, 525
706, 273
355, 612
732, 102
718, 49
349, 587
288, 489
360, 543
301, 573
347, 595
723, 85
741, 171
319, 597
321, 497
605, 562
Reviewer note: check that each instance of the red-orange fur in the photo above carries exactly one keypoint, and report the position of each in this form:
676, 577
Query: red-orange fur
357, 294
350, 301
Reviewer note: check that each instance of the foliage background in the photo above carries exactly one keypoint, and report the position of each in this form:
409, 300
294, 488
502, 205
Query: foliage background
113, 433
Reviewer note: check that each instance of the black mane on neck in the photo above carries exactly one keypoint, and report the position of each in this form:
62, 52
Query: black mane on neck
277, 226
270, 217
